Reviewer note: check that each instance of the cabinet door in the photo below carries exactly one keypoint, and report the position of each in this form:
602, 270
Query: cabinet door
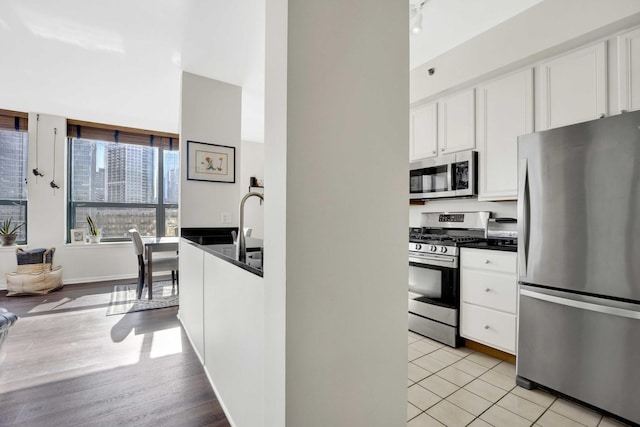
485, 259
574, 87
629, 70
505, 111
456, 122
424, 132
489, 327
191, 291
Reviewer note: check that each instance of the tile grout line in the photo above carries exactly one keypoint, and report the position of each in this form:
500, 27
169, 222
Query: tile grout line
475, 378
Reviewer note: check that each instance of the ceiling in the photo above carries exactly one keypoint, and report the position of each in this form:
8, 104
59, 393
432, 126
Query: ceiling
120, 61
448, 23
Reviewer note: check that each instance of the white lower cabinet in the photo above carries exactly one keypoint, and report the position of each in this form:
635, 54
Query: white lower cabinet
191, 309
488, 292
490, 327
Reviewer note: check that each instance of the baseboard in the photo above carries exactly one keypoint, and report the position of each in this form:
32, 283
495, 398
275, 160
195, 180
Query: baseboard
490, 351
195, 349
215, 390
125, 278
206, 372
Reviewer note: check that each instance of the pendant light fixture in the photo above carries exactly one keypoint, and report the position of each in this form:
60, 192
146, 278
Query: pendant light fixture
53, 181
415, 17
36, 170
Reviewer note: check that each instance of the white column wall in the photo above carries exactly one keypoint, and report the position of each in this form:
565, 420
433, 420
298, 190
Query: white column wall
210, 113
336, 213
275, 213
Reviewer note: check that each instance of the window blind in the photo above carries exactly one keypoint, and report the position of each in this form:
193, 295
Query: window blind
13, 120
125, 135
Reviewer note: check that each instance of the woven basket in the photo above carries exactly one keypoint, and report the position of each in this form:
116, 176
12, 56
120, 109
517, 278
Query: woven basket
34, 283
35, 260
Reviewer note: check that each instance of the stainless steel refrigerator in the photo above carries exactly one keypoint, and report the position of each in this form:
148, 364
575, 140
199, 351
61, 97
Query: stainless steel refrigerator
579, 262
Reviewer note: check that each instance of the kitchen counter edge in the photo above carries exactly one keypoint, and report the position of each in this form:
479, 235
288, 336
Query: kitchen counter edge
489, 247
216, 250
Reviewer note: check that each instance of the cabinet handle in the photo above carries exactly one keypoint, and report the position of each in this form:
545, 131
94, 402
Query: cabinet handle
486, 261
433, 152
486, 326
487, 289
442, 149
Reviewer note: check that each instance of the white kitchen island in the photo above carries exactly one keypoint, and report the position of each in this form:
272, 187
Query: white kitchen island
222, 312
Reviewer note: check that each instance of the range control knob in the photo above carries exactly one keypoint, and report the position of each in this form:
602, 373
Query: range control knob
418, 246
433, 248
443, 249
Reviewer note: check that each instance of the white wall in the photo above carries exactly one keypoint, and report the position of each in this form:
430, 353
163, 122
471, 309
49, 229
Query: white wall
544, 30
46, 215
252, 164
210, 113
337, 91
275, 211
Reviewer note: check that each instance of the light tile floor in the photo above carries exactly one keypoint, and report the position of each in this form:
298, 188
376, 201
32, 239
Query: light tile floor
460, 387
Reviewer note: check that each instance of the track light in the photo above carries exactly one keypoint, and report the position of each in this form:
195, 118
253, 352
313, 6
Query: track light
415, 17
417, 24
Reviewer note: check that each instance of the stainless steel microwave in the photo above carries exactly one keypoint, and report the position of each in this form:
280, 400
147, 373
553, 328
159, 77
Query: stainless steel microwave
452, 175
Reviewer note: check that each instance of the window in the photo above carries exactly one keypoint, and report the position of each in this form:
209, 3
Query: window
14, 143
124, 179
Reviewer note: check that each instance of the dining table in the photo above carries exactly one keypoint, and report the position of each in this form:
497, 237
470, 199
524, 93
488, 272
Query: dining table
157, 244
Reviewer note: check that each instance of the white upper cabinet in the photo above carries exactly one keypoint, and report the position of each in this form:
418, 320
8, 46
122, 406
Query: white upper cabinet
505, 111
456, 122
423, 132
574, 87
629, 70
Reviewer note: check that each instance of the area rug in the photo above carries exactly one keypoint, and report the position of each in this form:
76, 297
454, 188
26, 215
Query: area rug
123, 298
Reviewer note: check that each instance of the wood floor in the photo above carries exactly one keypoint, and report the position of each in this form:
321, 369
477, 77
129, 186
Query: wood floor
68, 364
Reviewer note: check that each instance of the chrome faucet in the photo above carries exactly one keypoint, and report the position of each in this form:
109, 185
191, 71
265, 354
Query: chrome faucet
242, 244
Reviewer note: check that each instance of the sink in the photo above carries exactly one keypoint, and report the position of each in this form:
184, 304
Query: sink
254, 259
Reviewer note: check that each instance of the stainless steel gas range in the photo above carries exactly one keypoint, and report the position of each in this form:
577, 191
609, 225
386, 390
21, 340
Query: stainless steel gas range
434, 279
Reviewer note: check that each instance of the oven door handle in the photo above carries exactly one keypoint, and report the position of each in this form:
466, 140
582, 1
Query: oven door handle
420, 259
426, 262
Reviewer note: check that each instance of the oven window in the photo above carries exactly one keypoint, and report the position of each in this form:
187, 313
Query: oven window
425, 281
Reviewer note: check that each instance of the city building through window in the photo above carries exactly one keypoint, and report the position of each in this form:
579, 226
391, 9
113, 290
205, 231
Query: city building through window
123, 179
14, 144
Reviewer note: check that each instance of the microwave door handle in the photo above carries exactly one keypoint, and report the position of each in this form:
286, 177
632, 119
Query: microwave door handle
450, 180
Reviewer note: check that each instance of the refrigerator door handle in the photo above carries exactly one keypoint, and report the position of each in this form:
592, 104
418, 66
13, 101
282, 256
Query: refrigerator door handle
523, 217
583, 305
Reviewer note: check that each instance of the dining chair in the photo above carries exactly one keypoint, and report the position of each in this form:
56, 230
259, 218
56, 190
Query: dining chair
160, 263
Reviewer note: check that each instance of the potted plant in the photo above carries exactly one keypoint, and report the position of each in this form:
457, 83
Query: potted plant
94, 233
8, 232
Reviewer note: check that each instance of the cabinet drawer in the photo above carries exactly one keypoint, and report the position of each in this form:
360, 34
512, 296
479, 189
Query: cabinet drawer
488, 289
489, 260
489, 327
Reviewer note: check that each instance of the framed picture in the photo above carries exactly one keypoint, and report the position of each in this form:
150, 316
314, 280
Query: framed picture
78, 236
211, 162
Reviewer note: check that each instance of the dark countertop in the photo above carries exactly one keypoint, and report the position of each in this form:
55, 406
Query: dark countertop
489, 246
227, 252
